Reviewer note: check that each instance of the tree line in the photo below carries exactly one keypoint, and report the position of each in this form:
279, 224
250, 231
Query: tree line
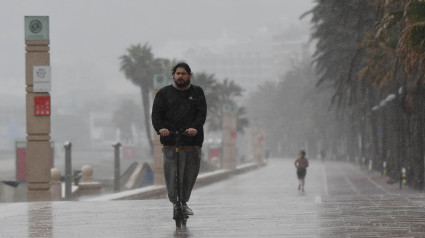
361, 97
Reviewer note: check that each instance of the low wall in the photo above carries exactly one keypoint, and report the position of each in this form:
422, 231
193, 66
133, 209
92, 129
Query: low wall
160, 191
247, 167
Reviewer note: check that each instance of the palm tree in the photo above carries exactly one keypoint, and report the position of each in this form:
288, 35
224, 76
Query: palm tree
367, 50
208, 83
139, 66
339, 28
408, 18
217, 94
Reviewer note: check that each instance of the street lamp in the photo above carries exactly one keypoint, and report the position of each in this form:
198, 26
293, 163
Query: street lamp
390, 98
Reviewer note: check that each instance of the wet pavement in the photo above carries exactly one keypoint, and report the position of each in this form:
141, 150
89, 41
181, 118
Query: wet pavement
340, 200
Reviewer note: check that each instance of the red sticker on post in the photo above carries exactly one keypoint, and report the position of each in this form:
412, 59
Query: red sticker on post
42, 106
233, 134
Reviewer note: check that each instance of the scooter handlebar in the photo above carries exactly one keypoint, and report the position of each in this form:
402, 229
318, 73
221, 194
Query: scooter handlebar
175, 133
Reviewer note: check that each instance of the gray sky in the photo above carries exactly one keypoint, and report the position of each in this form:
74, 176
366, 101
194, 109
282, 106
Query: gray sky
87, 37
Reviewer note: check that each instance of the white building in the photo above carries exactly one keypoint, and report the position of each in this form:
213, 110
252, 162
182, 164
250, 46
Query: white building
267, 56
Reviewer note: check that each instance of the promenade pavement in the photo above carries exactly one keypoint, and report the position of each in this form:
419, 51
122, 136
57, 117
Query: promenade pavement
340, 200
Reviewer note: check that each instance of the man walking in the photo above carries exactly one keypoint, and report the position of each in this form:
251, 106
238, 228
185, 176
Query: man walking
180, 107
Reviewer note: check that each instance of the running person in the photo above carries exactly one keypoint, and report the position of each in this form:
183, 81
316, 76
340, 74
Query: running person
301, 164
180, 107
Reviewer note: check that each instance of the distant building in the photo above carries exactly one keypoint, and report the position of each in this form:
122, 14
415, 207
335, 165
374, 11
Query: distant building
246, 63
267, 56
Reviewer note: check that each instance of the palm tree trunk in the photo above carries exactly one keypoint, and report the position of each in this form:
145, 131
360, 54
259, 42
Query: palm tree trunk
418, 142
352, 137
420, 145
146, 113
364, 110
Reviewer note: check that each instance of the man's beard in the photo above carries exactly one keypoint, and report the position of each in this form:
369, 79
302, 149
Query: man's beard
182, 85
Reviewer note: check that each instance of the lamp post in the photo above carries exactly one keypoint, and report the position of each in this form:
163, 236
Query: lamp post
117, 167
382, 108
68, 171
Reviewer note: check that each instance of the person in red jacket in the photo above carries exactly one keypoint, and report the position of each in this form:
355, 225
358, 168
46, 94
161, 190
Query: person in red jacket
301, 164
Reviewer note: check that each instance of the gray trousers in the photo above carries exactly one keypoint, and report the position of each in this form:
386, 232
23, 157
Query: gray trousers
189, 168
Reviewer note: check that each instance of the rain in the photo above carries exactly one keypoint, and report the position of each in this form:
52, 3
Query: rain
300, 118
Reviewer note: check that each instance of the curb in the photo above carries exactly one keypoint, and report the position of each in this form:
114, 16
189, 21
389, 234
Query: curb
160, 191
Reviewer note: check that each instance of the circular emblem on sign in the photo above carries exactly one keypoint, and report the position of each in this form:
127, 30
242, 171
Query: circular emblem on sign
35, 26
41, 73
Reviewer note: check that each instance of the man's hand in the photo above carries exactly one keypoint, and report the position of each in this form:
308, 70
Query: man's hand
191, 132
164, 132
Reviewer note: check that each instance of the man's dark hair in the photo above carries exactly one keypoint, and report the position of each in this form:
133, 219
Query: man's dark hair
182, 65
302, 152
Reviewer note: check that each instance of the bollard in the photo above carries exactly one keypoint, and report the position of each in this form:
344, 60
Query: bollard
68, 171
117, 168
403, 178
370, 165
87, 186
384, 168
86, 173
55, 184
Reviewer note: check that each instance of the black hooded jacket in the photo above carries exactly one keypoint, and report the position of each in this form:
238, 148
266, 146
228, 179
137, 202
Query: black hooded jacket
178, 110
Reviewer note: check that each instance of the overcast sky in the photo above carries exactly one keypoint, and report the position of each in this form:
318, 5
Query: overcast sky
88, 36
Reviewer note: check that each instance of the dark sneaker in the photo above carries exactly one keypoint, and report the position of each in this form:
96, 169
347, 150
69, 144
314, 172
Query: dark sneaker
186, 209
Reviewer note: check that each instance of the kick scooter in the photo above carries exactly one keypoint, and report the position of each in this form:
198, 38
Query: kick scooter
180, 217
